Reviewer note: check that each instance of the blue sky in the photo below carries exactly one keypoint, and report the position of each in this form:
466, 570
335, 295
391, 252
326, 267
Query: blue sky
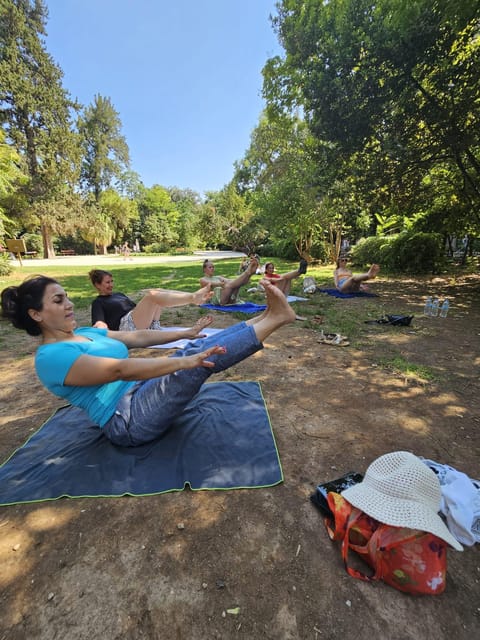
183, 75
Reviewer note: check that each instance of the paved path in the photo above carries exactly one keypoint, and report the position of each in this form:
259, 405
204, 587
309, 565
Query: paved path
104, 262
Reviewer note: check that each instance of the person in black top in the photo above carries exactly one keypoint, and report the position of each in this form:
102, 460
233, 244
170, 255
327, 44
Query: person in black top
117, 312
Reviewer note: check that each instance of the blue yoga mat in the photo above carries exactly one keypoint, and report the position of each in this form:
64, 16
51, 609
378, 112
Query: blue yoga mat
244, 307
247, 307
223, 440
338, 294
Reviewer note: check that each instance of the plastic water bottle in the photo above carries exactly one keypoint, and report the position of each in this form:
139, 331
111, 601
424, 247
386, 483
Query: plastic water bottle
435, 305
427, 311
444, 308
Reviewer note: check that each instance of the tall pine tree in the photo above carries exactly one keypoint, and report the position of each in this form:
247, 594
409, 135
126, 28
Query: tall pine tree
36, 114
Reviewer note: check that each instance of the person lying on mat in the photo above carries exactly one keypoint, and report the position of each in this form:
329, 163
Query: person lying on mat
284, 281
134, 400
116, 311
347, 282
226, 290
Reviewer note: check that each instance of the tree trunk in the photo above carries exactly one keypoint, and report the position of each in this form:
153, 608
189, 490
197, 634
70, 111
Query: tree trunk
48, 250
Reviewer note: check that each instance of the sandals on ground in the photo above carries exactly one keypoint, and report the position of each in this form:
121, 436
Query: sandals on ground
334, 339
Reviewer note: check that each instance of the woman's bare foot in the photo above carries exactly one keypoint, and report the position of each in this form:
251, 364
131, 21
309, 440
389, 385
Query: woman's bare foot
258, 318
252, 266
203, 295
373, 271
277, 305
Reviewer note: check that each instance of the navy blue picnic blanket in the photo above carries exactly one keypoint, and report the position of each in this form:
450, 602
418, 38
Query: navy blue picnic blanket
223, 440
338, 294
244, 307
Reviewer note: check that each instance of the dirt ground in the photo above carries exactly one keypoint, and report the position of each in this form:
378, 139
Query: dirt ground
123, 569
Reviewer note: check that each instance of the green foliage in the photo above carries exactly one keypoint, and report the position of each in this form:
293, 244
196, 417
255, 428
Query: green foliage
106, 154
80, 245
279, 248
6, 267
394, 88
371, 250
188, 204
10, 178
157, 247
320, 252
279, 175
226, 218
159, 217
407, 252
33, 242
35, 112
416, 253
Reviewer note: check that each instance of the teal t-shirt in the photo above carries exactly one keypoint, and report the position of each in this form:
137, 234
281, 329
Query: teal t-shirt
53, 362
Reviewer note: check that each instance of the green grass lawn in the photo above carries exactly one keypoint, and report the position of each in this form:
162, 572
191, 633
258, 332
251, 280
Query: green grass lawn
132, 278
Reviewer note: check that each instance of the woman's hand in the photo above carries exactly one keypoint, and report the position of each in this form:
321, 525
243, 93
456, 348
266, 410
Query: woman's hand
200, 359
198, 327
99, 324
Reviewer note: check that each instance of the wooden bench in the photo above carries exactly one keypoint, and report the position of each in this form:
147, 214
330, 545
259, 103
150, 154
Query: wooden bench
31, 254
67, 252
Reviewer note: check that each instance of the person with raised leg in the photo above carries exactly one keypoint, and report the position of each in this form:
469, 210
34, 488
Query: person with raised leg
347, 282
226, 290
116, 311
283, 281
133, 400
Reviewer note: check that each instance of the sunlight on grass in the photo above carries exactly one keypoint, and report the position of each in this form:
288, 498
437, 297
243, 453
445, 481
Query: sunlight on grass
322, 312
132, 278
409, 369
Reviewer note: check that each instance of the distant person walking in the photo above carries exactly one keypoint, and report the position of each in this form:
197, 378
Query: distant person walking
126, 251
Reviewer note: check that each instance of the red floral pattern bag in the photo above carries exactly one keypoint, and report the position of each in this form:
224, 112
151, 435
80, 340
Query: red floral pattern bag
410, 560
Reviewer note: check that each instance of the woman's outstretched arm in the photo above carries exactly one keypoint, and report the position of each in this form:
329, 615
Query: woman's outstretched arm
150, 337
91, 370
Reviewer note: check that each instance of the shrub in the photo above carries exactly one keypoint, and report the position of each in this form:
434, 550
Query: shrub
33, 242
279, 249
370, 250
157, 247
406, 252
5, 264
417, 252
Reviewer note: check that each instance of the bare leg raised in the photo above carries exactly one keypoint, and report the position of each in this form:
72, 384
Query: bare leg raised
232, 287
277, 313
150, 306
354, 283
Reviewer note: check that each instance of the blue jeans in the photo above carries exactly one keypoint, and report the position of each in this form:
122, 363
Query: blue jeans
149, 408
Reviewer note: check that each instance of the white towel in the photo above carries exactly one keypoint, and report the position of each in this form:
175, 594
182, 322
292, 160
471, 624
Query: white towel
460, 502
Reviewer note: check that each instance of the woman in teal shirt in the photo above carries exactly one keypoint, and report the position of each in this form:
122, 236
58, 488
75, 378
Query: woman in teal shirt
134, 400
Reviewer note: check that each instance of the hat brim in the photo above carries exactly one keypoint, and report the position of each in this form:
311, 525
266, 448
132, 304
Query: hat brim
398, 512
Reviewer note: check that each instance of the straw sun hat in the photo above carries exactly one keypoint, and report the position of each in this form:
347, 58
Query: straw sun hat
400, 490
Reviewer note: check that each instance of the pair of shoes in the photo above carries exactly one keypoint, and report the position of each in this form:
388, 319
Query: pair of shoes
334, 339
257, 289
302, 267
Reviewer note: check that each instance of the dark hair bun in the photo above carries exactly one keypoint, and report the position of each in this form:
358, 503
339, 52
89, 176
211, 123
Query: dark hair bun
10, 306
